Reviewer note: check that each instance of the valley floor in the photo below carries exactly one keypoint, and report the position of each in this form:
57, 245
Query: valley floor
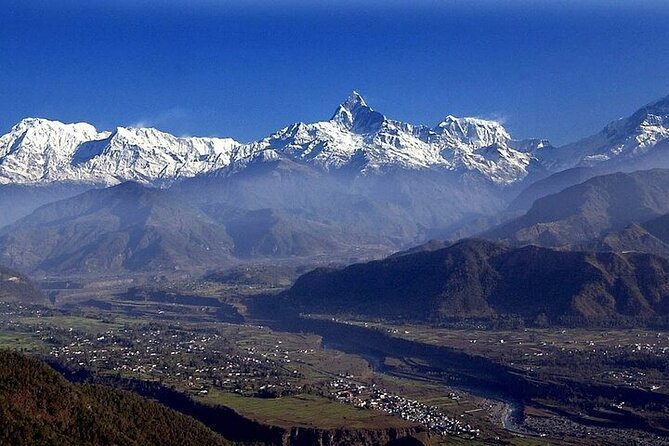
450, 384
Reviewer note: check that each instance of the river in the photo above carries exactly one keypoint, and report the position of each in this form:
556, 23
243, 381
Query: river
474, 375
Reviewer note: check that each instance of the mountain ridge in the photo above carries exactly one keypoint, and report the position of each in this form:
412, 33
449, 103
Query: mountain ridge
79, 152
356, 138
475, 278
618, 142
126, 227
590, 209
41, 151
38, 406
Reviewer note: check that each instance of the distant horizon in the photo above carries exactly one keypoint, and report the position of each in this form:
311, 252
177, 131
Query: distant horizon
557, 70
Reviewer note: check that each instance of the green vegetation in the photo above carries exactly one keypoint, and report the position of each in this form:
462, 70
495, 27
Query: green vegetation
283, 379
304, 410
19, 341
38, 406
76, 323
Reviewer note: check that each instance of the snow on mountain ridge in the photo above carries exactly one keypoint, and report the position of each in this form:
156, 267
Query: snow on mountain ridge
356, 139
38, 150
357, 132
620, 141
35, 149
475, 132
356, 135
355, 115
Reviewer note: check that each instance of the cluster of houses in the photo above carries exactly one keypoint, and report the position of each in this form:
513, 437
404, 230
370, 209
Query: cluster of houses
177, 355
374, 397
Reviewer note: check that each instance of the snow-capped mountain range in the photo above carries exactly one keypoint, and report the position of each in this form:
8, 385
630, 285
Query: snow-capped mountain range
620, 142
356, 138
42, 151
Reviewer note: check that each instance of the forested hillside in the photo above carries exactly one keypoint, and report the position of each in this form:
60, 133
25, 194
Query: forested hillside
38, 406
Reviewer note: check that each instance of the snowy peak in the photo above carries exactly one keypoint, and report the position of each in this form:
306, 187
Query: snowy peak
473, 132
345, 113
36, 148
621, 143
38, 151
37, 130
354, 101
362, 140
36, 124
653, 114
354, 114
357, 139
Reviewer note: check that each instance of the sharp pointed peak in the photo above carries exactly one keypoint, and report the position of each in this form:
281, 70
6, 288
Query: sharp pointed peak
354, 99
355, 114
350, 106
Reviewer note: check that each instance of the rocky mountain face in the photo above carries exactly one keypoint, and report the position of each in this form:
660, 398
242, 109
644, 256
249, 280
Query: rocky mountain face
361, 140
345, 174
589, 210
475, 278
355, 139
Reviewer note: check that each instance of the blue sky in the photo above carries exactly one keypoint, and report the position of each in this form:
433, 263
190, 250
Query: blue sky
554, 69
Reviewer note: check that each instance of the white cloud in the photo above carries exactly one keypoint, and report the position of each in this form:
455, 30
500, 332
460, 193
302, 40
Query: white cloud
162, 118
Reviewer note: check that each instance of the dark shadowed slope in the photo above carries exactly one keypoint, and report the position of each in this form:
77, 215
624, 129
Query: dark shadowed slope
123, 228
590, 209
475, 278
430, 245
38, 406
659, 227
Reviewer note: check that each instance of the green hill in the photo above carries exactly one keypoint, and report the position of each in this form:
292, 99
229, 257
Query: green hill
39, 407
